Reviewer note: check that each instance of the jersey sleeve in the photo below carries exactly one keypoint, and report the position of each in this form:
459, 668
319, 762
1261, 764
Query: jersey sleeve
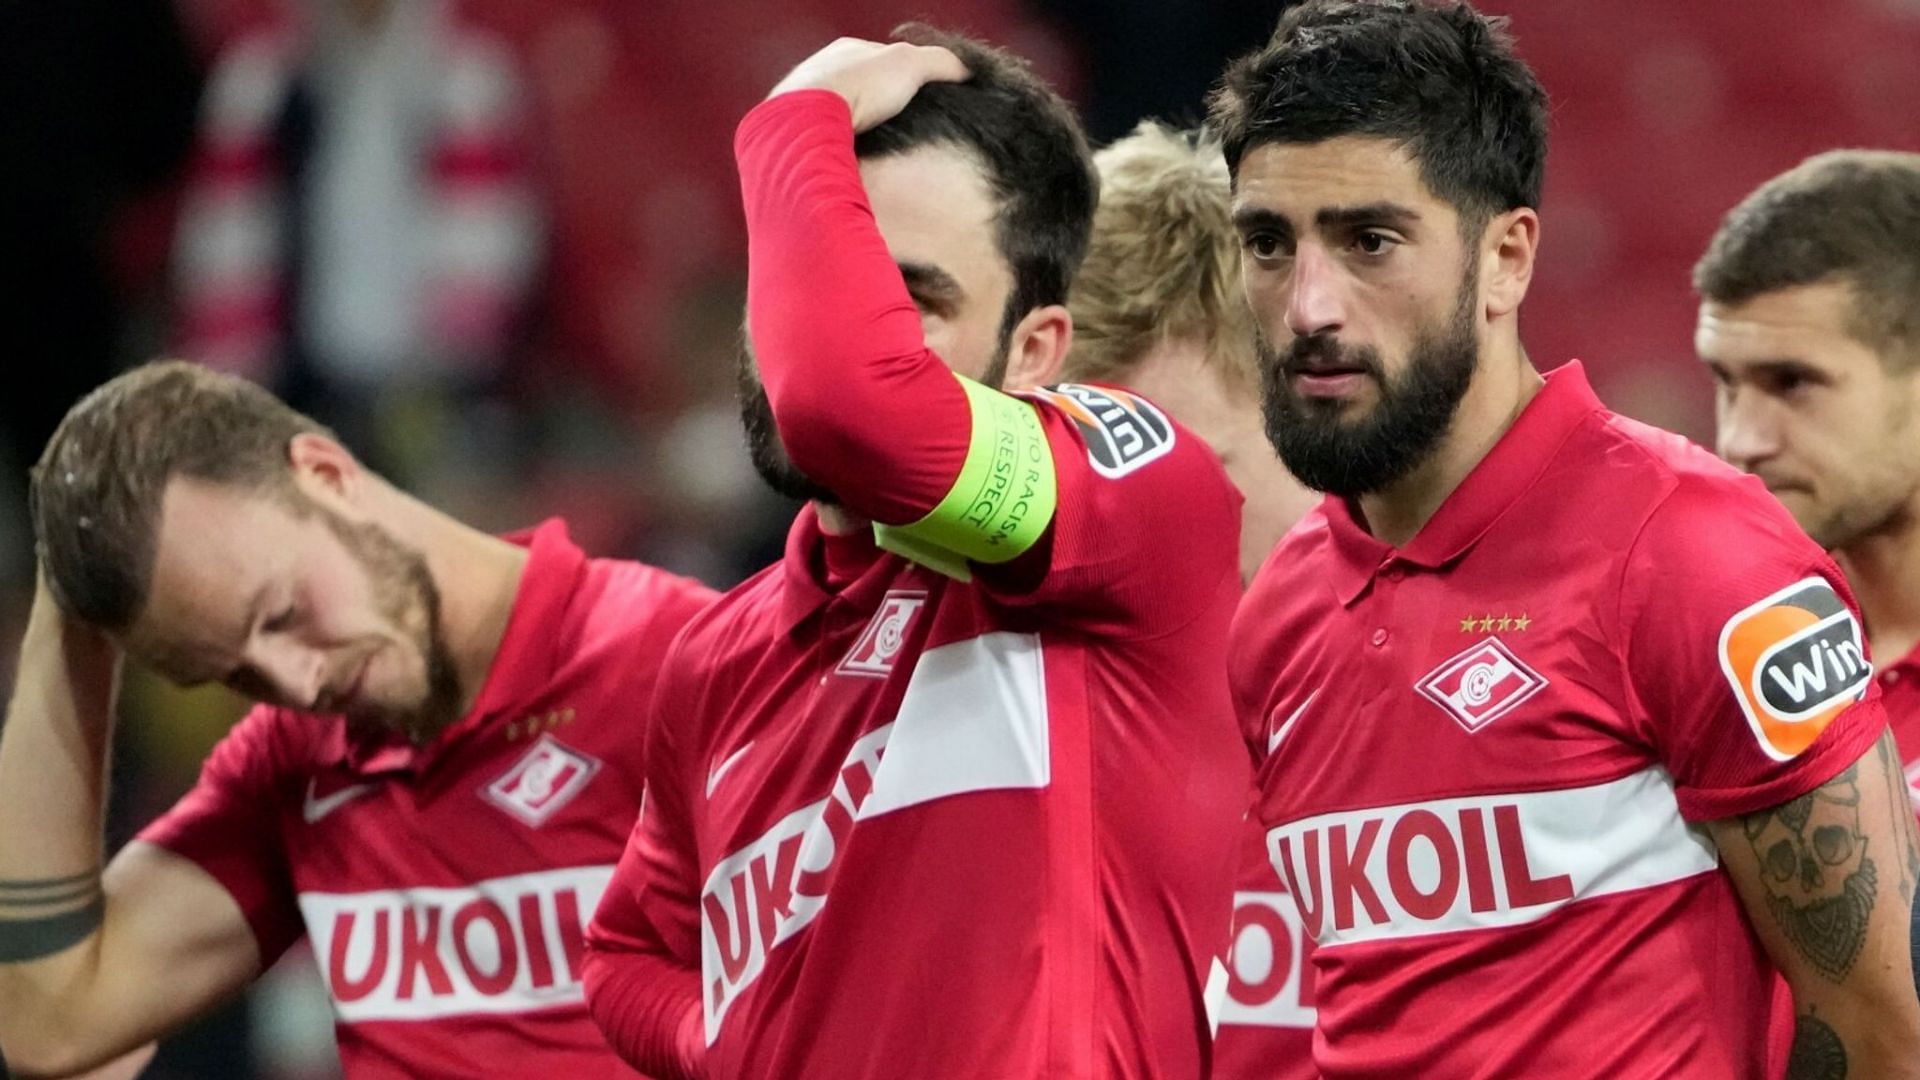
1146, 531
862, 406
225, 824
643, 944
1745, 660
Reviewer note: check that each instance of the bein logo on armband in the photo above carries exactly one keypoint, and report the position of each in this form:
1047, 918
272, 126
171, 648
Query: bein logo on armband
1796, 661
1123, 431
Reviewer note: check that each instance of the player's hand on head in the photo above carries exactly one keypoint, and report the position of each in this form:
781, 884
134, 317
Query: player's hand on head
876, 78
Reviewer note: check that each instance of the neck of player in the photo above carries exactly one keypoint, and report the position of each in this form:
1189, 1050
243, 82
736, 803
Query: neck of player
1503, 383
1884, 569
478, 576
838, 520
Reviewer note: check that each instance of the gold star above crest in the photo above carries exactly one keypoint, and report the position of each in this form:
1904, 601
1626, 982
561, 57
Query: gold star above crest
1506, 622
1521, 622
1486, 624
1466, 625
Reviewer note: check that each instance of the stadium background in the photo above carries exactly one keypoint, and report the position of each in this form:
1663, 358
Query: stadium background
614, 407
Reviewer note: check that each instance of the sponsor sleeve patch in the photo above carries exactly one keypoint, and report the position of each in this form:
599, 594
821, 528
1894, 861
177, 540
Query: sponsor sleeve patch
1795, 660
1003, 500
1123, 431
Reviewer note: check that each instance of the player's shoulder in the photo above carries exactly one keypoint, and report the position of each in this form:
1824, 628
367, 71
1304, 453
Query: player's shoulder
745, 621
620, 604
1689, 499
270, 742
1122, 433
1299, 554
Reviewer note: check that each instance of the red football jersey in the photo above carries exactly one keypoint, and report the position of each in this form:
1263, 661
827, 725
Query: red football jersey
908, 826
1488, 753
1266, 1023
446, 889
900, 824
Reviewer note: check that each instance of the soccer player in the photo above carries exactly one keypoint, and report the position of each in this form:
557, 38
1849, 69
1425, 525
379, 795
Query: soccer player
434, 788
1569, 734
1158, 308
970, 811
1810, 322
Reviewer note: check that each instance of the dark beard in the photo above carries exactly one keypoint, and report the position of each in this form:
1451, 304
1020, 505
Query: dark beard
769, 455
1360, 457
407, 594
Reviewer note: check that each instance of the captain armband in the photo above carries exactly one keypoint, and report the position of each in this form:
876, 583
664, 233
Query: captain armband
1002, 502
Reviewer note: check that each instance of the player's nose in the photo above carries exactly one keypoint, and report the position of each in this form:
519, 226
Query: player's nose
1317, 293
296, 674
1745, 432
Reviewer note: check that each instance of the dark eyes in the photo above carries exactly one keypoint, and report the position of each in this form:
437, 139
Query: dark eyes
1264, 246
281, 620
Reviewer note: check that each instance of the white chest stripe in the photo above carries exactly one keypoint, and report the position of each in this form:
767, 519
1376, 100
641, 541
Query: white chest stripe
1484, 861
512, 944
974, 718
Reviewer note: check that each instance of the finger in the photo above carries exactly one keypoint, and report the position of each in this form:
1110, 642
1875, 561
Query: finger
937, 63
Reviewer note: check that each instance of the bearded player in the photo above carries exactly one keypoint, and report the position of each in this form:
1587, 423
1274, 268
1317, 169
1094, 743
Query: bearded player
954, 790
1569, 739
433, 790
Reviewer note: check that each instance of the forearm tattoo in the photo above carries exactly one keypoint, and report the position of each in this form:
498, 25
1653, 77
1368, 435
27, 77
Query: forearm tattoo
40, 917
1820, 881
1818, 1053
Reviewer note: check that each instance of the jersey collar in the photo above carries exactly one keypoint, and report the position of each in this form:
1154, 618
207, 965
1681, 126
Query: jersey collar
819, 568
1492, 488
530, 652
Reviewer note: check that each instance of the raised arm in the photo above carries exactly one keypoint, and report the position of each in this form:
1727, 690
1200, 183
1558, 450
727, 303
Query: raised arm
863, 406
92, 965
1828, 879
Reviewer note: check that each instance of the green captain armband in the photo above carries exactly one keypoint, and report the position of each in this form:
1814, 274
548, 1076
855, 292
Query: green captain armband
1003, 501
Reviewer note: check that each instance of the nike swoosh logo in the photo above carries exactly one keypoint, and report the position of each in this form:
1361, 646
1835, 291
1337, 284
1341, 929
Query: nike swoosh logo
1273, 740
720, 770
315, 809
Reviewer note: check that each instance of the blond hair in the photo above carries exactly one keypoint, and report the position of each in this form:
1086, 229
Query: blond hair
1163, 264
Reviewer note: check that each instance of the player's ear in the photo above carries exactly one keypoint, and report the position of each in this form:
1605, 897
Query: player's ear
1506, 261
1038, 346
324, 469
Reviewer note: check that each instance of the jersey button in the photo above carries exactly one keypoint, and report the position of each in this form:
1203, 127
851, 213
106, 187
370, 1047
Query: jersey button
1890, 677
1379, 637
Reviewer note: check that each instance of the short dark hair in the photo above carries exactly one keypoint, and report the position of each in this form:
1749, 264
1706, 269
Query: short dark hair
97, 490
1031, 147
1846, 215
1439, 78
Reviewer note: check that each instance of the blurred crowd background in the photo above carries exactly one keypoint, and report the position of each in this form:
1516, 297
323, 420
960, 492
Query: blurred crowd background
496, 244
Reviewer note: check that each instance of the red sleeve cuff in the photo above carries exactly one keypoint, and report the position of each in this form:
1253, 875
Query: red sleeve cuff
275, 925
795, 108
1838, 747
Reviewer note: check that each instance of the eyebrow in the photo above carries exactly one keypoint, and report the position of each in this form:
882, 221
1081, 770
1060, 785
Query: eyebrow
1373, 213
1771, 366
932, 287
1258, 218
1393, 215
